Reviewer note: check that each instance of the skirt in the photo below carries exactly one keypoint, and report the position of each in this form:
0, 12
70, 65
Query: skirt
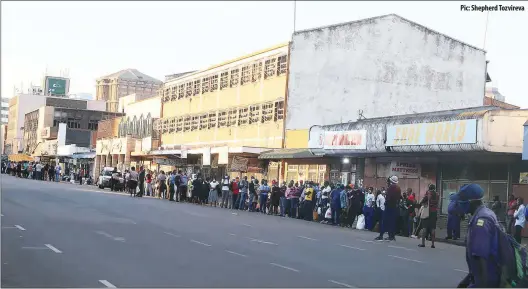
213, 196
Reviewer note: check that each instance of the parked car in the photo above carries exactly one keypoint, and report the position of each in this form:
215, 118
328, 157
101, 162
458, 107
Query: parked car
106, 176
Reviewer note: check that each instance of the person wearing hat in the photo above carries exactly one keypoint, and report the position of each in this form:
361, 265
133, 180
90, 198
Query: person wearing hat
480, 243
391, 212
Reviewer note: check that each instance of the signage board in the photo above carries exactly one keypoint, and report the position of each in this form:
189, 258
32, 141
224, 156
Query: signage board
316, 138
345, 140
171, 162
239, 164
434, 133
56, 85
405, 170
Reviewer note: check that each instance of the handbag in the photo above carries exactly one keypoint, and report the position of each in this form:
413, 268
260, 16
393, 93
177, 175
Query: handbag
424, 210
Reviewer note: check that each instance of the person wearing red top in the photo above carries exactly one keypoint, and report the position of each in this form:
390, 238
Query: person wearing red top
149, 183
512, 206
235, 190
431, 199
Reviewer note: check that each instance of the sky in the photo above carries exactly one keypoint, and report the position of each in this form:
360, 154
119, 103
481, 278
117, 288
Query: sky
93, 39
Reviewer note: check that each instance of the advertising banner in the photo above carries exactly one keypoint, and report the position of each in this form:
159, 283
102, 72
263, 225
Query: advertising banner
405, 170
345, 140
434, 133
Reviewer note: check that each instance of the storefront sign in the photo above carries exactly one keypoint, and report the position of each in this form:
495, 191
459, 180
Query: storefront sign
171, 162
111, 146
239, 164
435, 133
49, 148
345, 140
405, 170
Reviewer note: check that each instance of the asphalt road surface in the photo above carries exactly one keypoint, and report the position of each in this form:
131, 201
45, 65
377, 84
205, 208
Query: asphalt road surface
64, 235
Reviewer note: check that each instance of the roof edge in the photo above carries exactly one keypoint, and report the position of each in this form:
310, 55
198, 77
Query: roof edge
383, 16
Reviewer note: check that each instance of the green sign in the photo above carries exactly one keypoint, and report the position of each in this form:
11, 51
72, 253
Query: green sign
56, 86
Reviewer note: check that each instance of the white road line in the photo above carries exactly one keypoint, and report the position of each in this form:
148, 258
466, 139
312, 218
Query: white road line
171, 234
463, 271
10, 227
235, 253
230, 234
403, 248
204, 244
367, 241
35, 248
53, 249
1, 215
350, 247
262, 242
107, 284
412, 260
342, 284
307, 238
121, 239
284, 267
247, 225
20, 227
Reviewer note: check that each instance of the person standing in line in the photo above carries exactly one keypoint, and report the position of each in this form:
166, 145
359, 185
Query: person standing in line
236, 191
177, 185
162, 184
295, 194
391, 212
275, 198
379, 209
141, 181
368, 209
403, 224
309, 193
510, 220
133, 178
252, 192
264, 189
520, 220
335, 203
148, 177
243, 187
172, 185
225, 192
51, 173
183, 186
213, 192
431, 199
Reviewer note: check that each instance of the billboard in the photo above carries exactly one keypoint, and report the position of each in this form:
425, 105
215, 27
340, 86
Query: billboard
57, 85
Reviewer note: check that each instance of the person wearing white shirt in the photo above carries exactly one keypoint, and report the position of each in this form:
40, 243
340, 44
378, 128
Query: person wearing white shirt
520, 219
380, 202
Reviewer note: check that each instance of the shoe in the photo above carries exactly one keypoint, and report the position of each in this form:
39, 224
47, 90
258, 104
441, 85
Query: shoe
391, 239
421, 246
433, 246
414, 237
378, 238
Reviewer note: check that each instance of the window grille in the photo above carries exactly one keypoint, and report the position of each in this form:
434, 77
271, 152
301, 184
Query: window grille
204, 122
205, 85
279, 111
196, 90
246, 75
224, 80
257, 71
232, 117
222, 119
254, 113
267, 112
282, 65
188, 89
186, 123
179, 124
270, 68
214, 83
243, 116
173, 95
195, 122
212, 120
181, 91
235, 75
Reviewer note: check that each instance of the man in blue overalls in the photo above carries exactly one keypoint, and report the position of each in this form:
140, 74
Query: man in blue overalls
453, 221
481, 245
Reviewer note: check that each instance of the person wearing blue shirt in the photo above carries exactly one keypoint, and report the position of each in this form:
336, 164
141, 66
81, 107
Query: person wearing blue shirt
481, 246
335, 203
263, 191
520, 220
453, 221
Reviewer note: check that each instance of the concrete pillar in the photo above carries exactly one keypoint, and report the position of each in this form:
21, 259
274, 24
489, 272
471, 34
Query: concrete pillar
121, 162
108, 160
97, 167
114, 160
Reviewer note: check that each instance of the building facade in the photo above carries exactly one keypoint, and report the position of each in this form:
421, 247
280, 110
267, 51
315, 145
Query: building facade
221, 118
112, 87
377, 67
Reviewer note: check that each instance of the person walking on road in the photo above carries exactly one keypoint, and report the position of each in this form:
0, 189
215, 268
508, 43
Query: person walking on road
430, 201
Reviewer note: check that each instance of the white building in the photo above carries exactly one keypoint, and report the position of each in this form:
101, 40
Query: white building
376, 67
4, 112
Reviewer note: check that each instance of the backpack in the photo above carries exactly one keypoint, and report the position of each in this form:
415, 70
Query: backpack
511, 260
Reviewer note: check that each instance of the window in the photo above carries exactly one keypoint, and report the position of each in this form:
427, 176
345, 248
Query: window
195, 122
222, 119
212, 120
282, 65
188, 89
204, 122
279, 111
257, 72
232, 117
74, 123
181, 91
254, 113
267, 112
234, 77
166, 95
269, 68
246, 75
93, 124
179, 124
173, 95
172, 125
243, 116
165, 126
187, 123
196, 90
205, 85
214, 82
224, 80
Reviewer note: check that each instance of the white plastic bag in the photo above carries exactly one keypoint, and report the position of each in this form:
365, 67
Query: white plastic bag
360, 222
319, 211
328, 214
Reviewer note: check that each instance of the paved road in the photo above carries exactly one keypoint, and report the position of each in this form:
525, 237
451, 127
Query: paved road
63, 235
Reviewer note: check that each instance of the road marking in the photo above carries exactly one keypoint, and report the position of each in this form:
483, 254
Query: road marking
398, 247
412, 260
367, 241
262, 242
350, 247
35, 248
10, 227
53, 249
342, 284
235, 253
204, 244
20, 227
463, 271
107, 284
171, 234
120, 239
247, 225
236, 214
230, 234
284, 267
1, 215
307, 238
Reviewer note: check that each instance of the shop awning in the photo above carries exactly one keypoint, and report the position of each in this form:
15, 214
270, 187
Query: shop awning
20, 158
291, 154
89, 155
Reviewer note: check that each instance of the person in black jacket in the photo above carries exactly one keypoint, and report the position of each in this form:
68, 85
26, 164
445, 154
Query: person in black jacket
197, 188
141, 182
275, 198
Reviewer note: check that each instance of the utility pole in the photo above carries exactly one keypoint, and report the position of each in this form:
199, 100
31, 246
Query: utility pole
294, 14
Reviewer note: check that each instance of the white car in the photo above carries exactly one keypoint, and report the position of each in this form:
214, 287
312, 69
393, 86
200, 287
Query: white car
106, 176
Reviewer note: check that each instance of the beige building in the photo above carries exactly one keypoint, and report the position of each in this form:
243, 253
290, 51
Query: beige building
112, 87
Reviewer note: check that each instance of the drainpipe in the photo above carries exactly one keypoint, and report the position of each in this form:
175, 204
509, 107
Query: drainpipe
282, 168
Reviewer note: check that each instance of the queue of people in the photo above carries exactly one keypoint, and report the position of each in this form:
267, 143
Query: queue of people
33, 170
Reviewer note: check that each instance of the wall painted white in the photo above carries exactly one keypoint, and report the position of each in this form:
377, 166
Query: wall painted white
99, 105
150, 105
26, 103
383, 66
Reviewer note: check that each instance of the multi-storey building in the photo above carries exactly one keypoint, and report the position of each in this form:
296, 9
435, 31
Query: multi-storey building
112, 87
235, 108
4, 112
